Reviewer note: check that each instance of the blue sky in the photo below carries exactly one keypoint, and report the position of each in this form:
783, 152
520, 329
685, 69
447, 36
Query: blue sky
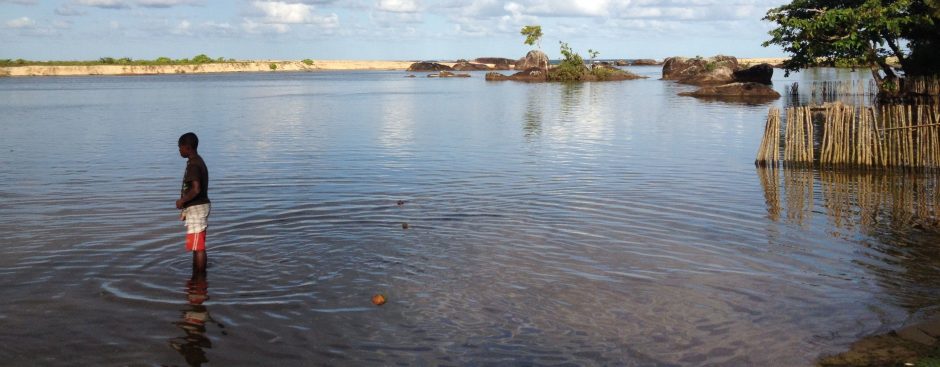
378, 29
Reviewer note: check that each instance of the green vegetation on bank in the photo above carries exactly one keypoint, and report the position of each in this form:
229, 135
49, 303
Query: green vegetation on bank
572, 68
198, 59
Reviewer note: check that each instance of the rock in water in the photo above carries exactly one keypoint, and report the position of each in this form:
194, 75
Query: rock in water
428, 66
760, 73
701, 71
533, 59
464, 65
645, 62
499, 63
378, 300
741, 91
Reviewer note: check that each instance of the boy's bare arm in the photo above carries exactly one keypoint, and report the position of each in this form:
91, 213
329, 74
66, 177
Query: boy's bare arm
189, 195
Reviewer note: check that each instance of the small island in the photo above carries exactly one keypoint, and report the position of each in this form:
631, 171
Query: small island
535, 68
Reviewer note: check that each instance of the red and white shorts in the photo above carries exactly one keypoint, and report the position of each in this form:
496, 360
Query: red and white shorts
196, 241
196, 218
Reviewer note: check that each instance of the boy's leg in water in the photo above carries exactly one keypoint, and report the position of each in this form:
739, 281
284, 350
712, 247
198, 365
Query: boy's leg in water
199, 261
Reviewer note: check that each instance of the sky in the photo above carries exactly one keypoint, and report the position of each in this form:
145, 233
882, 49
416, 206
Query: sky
379, 29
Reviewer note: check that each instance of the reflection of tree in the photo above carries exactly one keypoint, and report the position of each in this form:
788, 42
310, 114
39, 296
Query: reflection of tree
192, 345
898, 211
533, 113
571, 100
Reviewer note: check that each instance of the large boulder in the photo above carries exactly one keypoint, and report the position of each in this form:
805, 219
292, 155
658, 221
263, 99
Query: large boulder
499, 63
760, 73
645, 62
464, 65
734, 91
530, 75
428, 66
700, 71
533, 59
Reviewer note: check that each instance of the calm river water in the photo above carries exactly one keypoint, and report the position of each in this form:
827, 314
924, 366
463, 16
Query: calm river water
589, 224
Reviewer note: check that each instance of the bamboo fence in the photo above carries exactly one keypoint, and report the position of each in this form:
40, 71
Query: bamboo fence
889, 136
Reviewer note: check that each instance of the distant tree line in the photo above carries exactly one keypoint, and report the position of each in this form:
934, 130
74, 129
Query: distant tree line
198, 59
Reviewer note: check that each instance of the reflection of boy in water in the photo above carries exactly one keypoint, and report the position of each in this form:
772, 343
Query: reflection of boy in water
191, 346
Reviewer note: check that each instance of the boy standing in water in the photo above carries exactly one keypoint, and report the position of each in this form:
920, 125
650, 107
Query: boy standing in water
194, 201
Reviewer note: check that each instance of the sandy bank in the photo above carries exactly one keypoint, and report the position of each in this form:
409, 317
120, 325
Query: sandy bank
762, 60
228, 67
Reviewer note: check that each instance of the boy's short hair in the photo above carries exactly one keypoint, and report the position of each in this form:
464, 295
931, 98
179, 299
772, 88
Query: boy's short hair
190, 140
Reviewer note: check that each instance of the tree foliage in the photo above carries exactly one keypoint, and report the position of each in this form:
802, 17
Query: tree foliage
869, 31
570, 68
533, 35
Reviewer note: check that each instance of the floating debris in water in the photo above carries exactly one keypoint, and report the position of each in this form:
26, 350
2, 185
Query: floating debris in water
404, 226
401, 202
378, 299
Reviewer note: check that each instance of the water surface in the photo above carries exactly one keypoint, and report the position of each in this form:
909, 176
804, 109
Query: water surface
558, 224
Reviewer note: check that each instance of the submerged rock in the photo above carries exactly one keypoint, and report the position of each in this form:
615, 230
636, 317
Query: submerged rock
428, 66
530, 75
897, 348
447, 74
735, 91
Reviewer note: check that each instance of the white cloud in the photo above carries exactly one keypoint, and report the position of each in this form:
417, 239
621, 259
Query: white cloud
592, 8
20, 2
250, 26
105, 4
166, 3
61, 24
278, 15
21, 23
398, 6
184, 28
285, 13
68, 11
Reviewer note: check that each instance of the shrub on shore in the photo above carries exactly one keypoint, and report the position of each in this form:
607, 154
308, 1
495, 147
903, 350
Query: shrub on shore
572, 69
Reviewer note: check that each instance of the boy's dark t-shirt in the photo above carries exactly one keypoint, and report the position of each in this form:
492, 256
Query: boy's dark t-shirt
196, 171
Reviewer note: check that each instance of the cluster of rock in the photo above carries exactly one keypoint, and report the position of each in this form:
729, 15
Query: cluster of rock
720, 77
535, 68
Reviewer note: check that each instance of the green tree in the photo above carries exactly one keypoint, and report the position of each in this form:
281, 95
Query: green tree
870, 31
202, 59
533, 35
593, 54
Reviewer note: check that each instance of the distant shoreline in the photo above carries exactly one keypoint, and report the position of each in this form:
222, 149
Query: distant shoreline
215, 67
253, 66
